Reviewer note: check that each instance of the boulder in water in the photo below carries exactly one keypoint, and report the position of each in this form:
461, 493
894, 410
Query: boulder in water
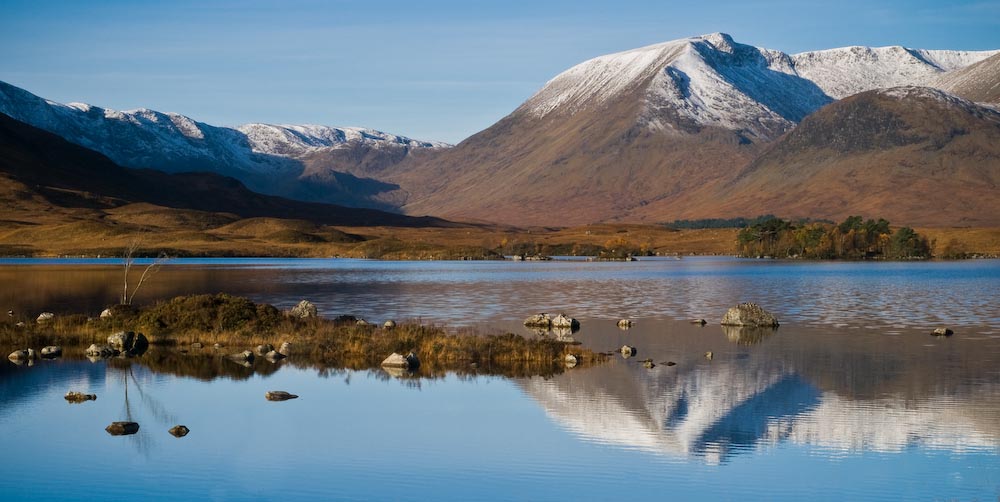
51, 351
79, 397
942, 332
749, 314
279, 395
179, 431
122, 428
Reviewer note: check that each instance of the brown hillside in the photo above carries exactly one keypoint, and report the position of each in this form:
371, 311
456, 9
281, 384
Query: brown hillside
979, 82
569, 169
915, 156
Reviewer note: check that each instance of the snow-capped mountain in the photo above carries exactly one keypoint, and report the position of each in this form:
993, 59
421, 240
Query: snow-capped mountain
638, 134
712, 80
265, 157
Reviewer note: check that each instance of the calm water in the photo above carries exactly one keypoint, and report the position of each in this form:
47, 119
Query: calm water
849, 399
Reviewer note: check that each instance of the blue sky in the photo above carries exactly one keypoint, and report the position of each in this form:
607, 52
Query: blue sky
439, 70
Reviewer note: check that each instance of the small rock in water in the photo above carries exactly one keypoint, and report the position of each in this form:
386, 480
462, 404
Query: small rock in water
648, 363
122, 428
749, 314
279, 395
671, 363
52, 351
262, 350
79, 397
18, 355
179, 431
571, 360
196, 345
627, 351
274, 355
625, 323
942, 332
217, 346
285, 349
699, 321
395, 360
708, 355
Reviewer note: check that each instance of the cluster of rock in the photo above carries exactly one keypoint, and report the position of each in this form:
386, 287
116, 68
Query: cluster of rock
267, 351
30, 355
544, 320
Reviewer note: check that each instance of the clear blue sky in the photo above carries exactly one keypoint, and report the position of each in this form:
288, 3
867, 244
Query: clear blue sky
439, 70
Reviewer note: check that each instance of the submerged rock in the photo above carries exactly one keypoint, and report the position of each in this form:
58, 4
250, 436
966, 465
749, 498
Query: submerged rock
242, 357
409, 361
942, 332
179, 431
79, 397
279, 395
122, 428
304, 310
749, 314
51, 351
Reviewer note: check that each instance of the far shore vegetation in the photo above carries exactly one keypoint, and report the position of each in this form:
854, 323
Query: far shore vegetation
192, 325
853, 239
186, 233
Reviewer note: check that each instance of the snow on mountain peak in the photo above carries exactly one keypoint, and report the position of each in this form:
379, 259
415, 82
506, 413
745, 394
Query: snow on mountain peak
712, 80
299, 140
845, 71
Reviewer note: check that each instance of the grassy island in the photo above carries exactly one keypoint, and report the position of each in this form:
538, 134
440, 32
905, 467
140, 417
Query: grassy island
193, 325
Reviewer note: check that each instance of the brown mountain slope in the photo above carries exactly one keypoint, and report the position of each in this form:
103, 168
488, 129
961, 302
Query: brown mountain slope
40, 171
979, 82
913, 155
615, 134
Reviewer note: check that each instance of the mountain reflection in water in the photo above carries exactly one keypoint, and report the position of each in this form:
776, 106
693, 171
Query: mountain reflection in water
846, 393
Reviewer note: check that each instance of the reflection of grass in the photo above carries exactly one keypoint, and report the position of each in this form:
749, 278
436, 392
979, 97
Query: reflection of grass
238, 324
